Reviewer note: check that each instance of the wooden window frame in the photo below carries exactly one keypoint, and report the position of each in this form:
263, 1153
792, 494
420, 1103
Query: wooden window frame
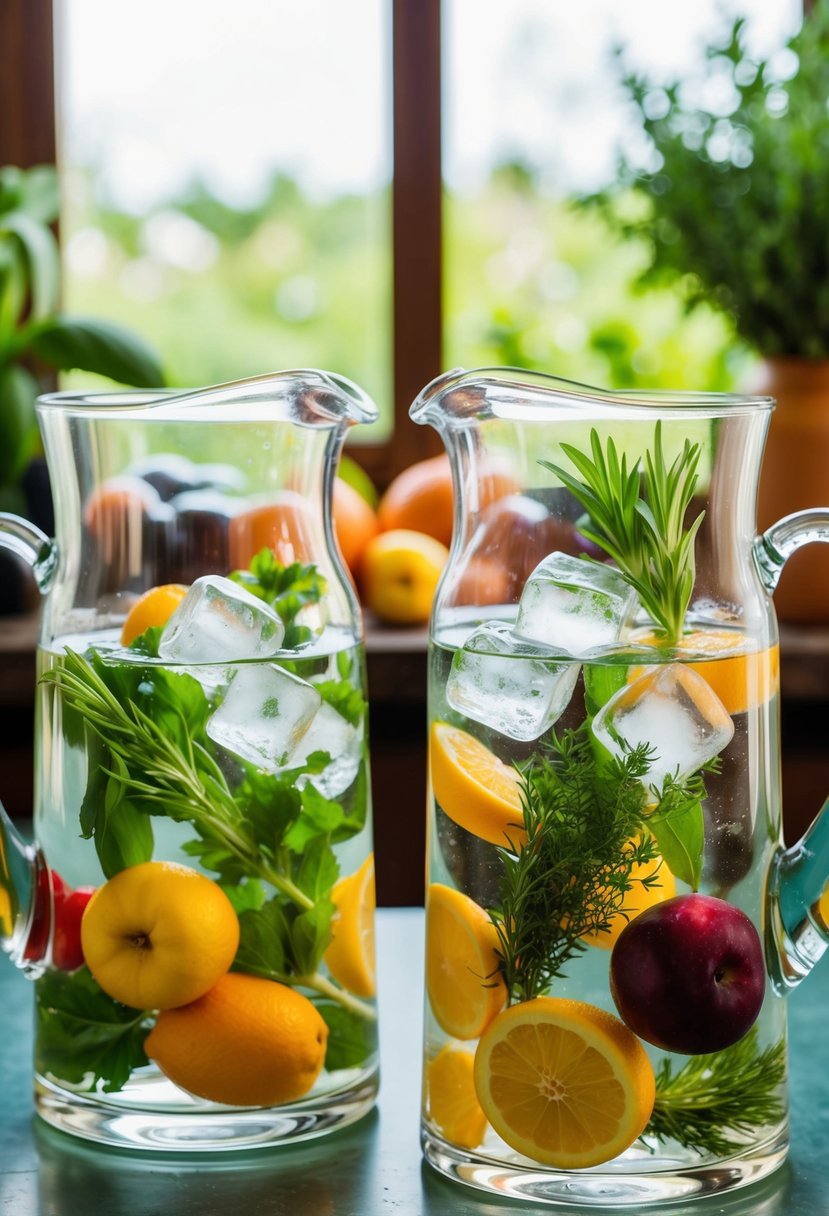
28, 137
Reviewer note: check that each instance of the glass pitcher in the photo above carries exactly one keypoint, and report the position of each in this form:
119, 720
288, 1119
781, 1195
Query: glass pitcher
612, 919
197, 911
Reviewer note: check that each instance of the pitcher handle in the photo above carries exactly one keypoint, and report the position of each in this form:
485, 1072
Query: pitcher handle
27, 541
799, 879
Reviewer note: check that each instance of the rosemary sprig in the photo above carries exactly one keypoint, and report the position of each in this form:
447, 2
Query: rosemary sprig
189, 785
715, 1099
639, 520
572, 875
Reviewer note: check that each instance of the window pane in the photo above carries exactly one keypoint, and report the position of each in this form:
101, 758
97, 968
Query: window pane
226, 179
534, 118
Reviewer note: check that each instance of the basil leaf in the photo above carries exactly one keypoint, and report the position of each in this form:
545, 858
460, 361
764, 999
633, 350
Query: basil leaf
310, 935
264, 941
342, 696
83, 1036
601, 681
680, 835
352, 1039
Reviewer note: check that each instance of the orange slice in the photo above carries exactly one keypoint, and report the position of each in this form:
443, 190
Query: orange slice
450, 1099
563, 1082
155, 607
463, 978
351, 955
475, 788
741, 677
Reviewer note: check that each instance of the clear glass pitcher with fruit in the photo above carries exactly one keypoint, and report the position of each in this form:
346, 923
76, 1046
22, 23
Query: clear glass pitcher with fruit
197, 910
612, 919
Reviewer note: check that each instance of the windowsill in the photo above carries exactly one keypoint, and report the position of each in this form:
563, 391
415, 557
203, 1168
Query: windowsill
804, 660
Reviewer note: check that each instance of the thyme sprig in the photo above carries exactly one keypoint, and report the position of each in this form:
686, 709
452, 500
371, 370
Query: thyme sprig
638, 518
574, 871
714, 1100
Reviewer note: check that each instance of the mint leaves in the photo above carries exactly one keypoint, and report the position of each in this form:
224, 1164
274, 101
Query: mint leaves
83, 1036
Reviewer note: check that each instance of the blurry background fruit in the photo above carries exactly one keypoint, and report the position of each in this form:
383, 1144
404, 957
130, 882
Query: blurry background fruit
355, 523
399, 573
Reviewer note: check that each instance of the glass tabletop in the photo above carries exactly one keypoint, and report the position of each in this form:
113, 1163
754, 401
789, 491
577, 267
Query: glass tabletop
371, 1169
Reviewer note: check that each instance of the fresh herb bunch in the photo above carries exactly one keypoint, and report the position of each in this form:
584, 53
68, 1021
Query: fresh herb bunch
736, 198
715, 1099
286, 589
586, 823
639, 520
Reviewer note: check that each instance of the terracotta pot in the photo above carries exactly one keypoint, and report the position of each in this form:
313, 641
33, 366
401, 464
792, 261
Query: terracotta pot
795, 475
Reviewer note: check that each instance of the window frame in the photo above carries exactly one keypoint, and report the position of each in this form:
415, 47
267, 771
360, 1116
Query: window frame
28, 137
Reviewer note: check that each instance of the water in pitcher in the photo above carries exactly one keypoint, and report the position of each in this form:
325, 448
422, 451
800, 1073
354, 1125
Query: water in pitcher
554, 781
251, 774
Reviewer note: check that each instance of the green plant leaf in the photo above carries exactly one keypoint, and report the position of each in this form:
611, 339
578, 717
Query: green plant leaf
83, 1036
680, 836
97, 346
18, 425
310, 934
351, 1039
33, 191
264, 941
41, 260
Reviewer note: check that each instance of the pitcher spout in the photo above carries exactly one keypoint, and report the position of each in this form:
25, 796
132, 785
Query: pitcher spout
799, 906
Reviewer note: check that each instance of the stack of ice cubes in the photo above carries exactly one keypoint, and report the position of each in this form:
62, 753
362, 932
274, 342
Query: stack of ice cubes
508, 683
267, 716
674, 711
218, 621
519, 680
574, 604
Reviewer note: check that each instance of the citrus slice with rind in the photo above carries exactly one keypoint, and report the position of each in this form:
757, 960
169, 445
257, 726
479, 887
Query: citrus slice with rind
474, 787
563, 1082
463, 978
350, 957
741, 675
450, 1099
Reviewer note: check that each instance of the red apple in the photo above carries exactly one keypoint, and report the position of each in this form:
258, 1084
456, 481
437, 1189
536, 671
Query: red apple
688, 975
67, 954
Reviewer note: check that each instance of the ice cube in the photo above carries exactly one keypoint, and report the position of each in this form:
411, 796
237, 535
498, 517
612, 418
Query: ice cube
264, 715
219, 622
508, 683
329, 732
672, 709
574, 604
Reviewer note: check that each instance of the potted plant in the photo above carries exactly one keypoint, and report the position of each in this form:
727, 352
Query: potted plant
36, 340
734, 206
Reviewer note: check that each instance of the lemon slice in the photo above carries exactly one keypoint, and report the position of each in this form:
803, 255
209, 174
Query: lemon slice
351, 955
463, 979
450, 1098
741, 677
563, 1082
475, 788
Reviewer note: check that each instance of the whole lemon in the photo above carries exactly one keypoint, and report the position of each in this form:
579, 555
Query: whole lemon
158, 935
399, 574
246, 1042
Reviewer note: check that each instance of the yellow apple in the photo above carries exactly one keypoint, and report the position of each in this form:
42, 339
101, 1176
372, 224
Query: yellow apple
399, 573
159, 935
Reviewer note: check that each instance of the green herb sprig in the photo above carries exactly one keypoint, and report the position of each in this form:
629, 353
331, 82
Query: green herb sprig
638, 518
715, 1099
589, 820
571, 875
